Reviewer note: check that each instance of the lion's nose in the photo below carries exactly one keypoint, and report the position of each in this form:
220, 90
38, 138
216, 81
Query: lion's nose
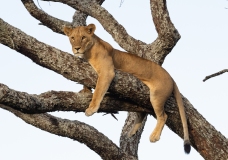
77, 48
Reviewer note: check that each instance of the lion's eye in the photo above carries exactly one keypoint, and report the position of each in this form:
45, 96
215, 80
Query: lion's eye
83, 37
72, 38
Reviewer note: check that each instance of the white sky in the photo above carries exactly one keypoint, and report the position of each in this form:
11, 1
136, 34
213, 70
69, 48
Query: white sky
201, 51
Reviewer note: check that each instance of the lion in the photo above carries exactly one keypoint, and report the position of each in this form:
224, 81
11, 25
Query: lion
104, 59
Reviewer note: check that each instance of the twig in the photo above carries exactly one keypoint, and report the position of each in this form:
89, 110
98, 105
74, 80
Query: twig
121, 2
111, 115
215, 74
39, 5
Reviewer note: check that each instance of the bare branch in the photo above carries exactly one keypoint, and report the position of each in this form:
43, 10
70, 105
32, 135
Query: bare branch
75, 130
51, 22
162, 21
215, 74
168, 35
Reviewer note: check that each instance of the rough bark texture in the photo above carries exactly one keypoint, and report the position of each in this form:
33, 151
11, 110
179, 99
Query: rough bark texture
128, 93
63, 101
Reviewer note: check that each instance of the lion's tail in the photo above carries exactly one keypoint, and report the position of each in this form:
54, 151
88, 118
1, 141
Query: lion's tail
177, 95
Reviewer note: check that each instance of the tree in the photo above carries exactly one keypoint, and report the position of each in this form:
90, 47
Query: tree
126, 92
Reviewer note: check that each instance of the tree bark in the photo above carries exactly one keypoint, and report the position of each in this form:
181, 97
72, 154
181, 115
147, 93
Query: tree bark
63, 101
204, 138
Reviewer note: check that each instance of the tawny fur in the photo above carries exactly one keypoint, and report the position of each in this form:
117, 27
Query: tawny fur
104, 59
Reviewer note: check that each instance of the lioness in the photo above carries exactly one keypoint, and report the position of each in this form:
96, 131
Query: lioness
103, 58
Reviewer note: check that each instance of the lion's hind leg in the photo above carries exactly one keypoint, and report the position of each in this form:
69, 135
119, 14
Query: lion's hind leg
137, 124
158, 100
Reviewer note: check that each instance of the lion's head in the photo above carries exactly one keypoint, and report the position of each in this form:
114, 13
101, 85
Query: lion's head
80, 38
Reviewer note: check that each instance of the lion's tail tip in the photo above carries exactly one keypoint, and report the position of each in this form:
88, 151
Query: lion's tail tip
187, 146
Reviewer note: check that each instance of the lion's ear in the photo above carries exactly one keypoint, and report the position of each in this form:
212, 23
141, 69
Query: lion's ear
91, 28
67, 30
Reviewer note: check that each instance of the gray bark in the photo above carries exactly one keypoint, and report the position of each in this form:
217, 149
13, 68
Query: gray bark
126, 90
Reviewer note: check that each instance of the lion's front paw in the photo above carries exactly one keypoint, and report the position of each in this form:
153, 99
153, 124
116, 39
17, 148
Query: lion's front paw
89, 112
154, 137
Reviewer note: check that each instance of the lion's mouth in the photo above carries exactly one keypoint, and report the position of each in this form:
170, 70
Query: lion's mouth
80, 55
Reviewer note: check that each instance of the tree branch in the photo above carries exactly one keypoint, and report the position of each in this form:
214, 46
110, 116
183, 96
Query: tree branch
47, 56
162, 21
130, 145
215, 74
51, 22
75, 130
62, 101
79, 19
168, 35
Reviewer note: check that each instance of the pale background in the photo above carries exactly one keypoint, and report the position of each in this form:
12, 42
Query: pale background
201, 51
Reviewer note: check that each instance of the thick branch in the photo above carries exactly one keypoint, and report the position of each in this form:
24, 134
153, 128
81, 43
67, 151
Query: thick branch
162, 21
75, 130
215, 74
168, 35
130, 145
79, 19
62, 101
47, 56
